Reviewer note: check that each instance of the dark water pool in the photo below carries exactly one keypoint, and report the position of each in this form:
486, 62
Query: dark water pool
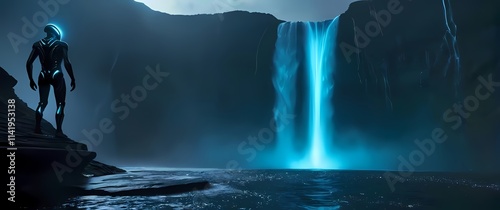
303, 189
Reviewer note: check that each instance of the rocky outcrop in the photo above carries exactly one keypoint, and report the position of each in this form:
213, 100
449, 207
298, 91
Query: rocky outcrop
25, 138
41, 162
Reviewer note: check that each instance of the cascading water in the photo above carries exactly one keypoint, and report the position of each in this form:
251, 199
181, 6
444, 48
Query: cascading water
318, 47
310, 47
285, 79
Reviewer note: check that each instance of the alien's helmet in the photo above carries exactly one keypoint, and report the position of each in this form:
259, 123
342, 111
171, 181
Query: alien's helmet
52, 29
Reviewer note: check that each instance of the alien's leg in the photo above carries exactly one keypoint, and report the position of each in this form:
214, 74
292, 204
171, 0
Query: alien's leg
44, 89
60, 94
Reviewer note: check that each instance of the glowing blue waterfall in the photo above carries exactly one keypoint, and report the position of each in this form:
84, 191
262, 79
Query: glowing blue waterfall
286, 64
318, 46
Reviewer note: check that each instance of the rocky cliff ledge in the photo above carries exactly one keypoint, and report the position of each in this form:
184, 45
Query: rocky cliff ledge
40, 163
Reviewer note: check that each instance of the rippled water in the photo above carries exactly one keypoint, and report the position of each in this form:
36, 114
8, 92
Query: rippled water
305, 189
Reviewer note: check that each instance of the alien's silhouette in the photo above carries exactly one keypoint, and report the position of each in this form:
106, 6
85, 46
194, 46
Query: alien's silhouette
51, 51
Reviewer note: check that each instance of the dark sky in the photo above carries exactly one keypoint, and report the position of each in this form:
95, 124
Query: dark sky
289, 10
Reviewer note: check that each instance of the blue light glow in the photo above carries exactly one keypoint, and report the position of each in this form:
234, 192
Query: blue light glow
59, 31
320, 42
286, 62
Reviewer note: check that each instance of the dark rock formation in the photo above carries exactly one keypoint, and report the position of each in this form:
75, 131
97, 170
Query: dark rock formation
401, 85
25, 138
42, 162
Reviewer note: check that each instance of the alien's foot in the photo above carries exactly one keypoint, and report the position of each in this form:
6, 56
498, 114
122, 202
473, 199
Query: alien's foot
60, 134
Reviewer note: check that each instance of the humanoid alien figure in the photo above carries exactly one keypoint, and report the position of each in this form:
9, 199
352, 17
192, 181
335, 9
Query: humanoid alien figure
51, 51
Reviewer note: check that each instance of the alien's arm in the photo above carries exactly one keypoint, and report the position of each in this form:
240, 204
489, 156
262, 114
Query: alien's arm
29, 63
67, 64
